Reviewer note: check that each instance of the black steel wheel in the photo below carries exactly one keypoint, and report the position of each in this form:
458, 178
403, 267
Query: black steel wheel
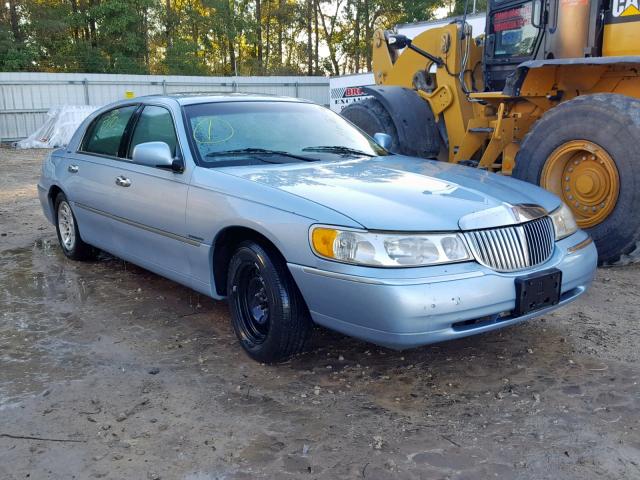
268, 313
253, 304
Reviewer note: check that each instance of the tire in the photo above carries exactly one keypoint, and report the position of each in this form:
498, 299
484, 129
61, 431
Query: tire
372, 117
268, 313
609, 121
68, 234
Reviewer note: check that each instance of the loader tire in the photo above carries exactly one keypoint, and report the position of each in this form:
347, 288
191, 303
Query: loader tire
372, 117
586, 151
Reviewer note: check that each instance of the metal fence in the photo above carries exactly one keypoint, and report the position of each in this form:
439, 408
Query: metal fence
25, 98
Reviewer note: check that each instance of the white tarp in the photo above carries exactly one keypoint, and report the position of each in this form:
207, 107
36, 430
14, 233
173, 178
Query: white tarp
57, 130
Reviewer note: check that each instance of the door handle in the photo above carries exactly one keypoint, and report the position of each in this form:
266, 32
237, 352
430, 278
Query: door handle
123, 182
72, 168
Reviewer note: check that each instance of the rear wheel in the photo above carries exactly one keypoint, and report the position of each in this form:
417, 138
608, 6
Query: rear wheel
68, 234
585, 151
268, 313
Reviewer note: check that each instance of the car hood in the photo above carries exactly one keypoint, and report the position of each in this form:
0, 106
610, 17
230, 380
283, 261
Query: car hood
397, 192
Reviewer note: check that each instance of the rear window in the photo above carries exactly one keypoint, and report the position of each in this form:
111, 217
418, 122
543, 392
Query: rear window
105, 133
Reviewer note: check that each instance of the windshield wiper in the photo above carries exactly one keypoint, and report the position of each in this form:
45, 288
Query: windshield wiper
257, 151
337, 149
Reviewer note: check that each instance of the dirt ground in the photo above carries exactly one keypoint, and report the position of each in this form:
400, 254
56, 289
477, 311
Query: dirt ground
109, 371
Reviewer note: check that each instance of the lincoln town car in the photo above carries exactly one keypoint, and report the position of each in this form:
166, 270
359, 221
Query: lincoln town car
297, 218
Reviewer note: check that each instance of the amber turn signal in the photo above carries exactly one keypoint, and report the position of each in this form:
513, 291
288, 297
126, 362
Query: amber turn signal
322, 240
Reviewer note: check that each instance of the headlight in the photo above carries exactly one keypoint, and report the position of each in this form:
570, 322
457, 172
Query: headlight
388, 249
563, 222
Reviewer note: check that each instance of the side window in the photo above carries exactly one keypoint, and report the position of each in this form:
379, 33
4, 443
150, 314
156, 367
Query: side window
154, 125
105, 133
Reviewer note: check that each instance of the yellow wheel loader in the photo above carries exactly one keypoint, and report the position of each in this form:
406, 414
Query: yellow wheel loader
549, 94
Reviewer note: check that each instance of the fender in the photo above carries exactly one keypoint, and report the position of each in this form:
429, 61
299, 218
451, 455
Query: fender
515, 81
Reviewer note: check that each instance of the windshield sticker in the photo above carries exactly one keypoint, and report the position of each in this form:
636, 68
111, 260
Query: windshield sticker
212, 130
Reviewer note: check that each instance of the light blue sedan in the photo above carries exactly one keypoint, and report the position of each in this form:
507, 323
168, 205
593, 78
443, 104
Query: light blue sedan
297, 217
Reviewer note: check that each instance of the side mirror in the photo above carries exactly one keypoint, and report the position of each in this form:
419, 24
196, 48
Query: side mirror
156, 154
397, 41
384, 140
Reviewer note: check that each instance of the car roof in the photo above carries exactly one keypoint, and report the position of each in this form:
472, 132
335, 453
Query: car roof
189, 98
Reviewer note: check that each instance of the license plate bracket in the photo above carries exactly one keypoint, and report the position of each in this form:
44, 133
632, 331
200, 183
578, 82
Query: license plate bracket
537, 290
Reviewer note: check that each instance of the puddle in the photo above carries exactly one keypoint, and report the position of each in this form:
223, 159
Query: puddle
59, 319
38, 294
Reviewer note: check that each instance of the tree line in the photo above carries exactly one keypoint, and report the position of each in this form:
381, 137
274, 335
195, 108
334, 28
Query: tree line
200, 37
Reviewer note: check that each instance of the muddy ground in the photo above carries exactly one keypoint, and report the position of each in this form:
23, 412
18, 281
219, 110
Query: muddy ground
109, 371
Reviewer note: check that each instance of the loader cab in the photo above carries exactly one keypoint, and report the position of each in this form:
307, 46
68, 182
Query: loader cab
519, 30
514, 35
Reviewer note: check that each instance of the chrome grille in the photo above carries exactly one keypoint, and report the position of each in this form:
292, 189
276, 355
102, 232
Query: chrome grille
515, 247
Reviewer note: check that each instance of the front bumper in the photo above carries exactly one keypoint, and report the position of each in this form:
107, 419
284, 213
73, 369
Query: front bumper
408, 312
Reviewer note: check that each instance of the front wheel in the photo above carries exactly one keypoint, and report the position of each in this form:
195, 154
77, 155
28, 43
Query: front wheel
268, 313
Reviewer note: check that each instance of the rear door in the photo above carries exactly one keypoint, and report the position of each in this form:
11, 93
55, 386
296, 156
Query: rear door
150, 202
90, 171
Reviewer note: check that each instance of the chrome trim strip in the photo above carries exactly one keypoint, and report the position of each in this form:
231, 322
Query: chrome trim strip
579, 246
527, 212
514, 245
390, 281
164, 233
522, 240
495, 241
501, 216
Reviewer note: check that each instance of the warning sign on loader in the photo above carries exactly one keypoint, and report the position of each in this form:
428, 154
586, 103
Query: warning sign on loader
625, 8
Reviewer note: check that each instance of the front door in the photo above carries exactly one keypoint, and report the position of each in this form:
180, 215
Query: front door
150, 203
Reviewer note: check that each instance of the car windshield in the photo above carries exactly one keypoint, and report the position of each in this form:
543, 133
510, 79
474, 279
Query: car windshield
247, 133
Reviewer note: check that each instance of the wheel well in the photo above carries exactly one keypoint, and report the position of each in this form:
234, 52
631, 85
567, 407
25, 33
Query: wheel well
53, 193
225, 245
